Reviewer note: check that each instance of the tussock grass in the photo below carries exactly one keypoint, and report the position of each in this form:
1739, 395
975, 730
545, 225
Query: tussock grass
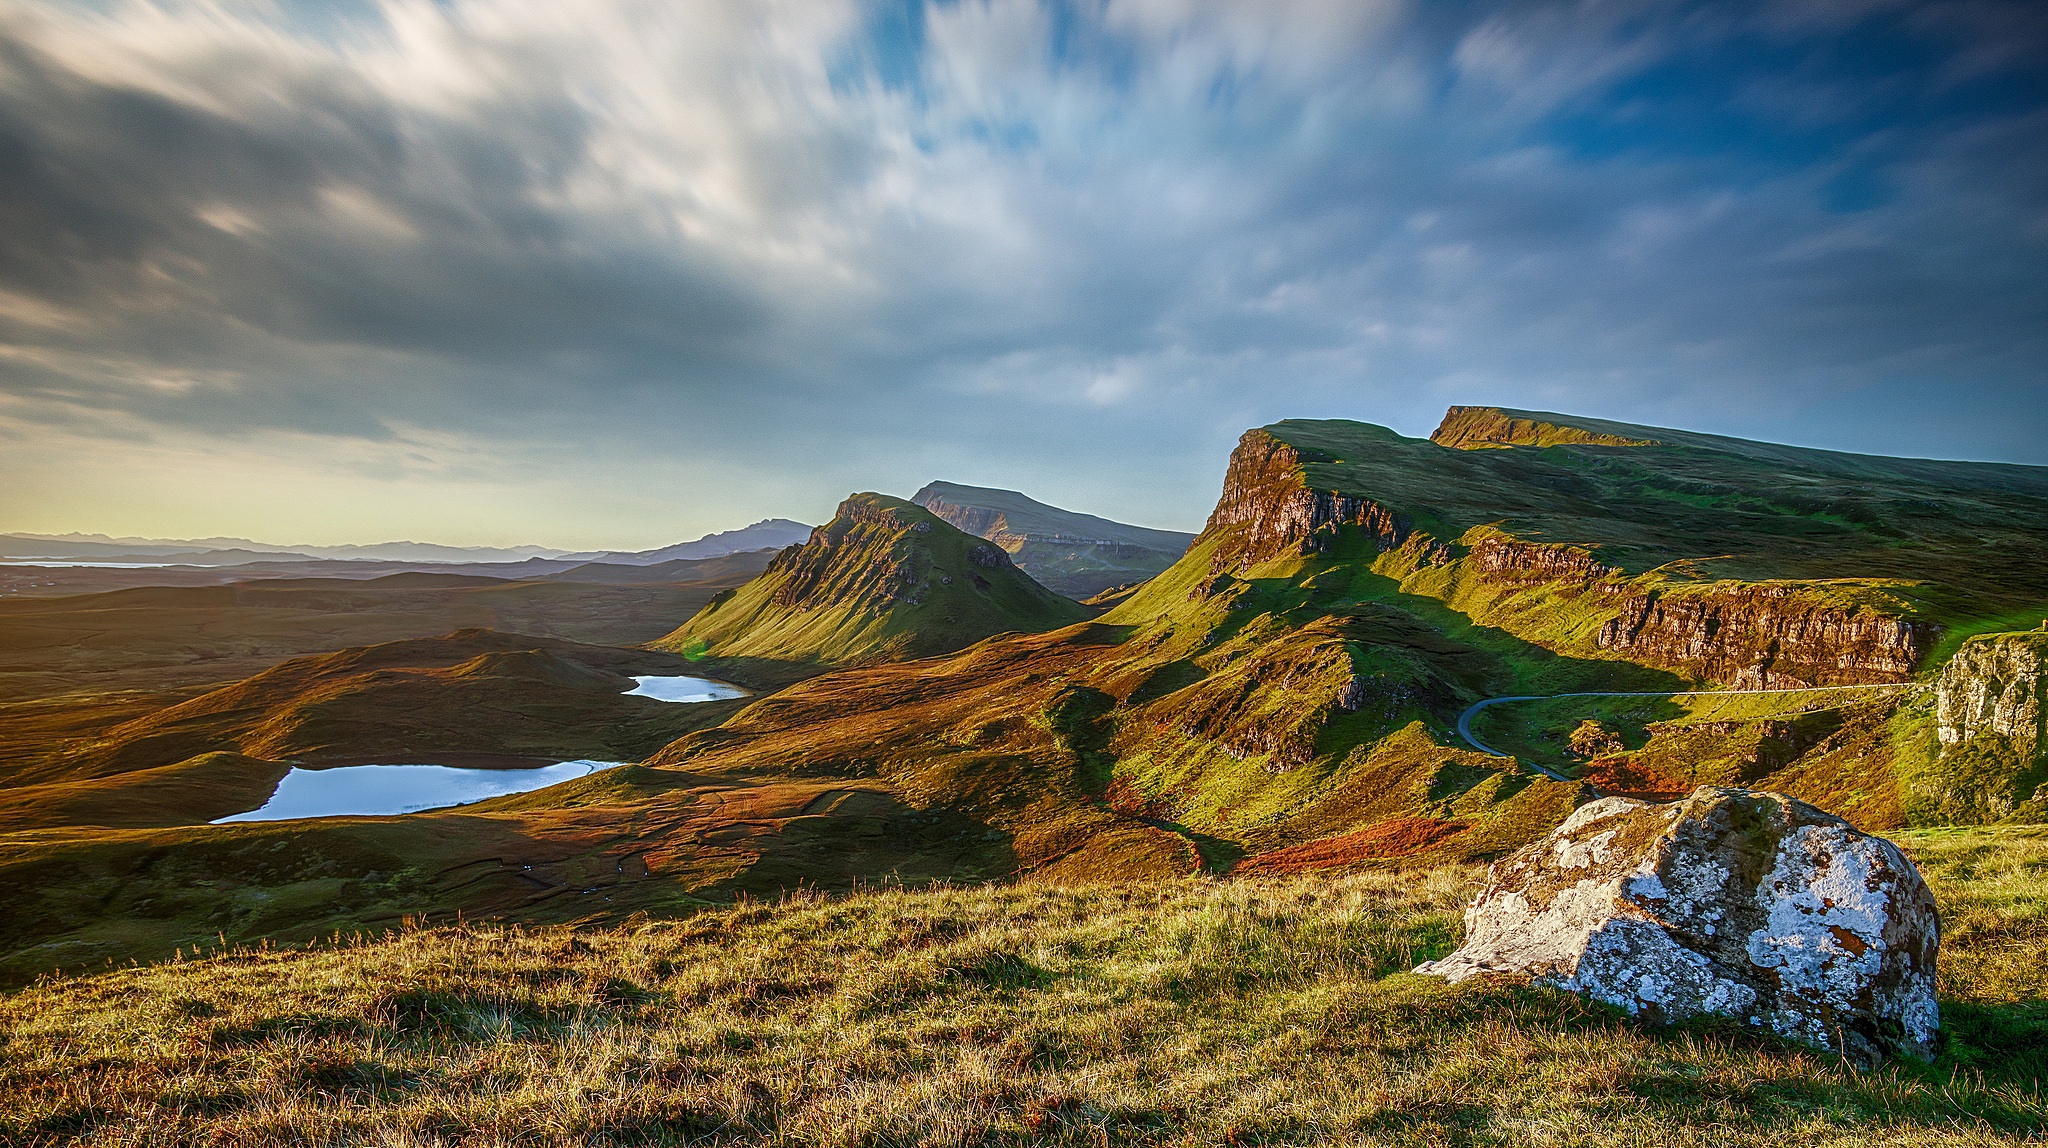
1193, 1011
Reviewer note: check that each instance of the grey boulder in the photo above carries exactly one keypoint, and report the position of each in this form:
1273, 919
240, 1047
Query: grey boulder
1731, 902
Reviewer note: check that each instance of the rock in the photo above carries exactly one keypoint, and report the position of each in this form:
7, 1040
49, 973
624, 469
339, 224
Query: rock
1731, 902
1766, 636
1996, 685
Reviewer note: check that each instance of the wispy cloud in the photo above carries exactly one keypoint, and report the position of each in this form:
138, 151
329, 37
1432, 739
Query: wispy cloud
1068, 247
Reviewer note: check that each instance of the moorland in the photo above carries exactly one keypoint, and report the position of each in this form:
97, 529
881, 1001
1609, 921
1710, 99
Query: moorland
979, 862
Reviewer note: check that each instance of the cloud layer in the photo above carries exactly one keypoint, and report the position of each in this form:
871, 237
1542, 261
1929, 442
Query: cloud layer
601, 273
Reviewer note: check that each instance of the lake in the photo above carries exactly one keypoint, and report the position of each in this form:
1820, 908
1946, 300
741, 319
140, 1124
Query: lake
383, 790
680, 688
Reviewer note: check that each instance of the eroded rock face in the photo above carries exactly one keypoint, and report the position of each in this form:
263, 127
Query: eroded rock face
1267, 500
1730, 901
1759, 636
1997, 684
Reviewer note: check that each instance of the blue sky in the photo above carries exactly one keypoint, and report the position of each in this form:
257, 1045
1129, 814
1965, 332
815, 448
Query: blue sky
615, 273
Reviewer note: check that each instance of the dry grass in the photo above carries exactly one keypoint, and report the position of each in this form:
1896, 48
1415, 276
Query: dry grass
1190, 1012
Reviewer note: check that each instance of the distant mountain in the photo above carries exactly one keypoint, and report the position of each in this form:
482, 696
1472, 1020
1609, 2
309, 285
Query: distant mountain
1075, 554
883, 581
731, 568
767, 534
239, 551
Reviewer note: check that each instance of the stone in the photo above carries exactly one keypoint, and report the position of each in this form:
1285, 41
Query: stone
1997, 684
1729, 902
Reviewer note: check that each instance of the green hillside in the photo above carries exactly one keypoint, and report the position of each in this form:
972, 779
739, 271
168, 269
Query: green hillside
883, 581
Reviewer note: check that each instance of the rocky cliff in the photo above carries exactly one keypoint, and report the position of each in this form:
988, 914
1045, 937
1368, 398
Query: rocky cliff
1477, 428
1765, 636
1996, 687
1268, 508
1279, 499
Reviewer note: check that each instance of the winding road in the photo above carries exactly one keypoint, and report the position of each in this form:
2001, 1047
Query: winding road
1465, 719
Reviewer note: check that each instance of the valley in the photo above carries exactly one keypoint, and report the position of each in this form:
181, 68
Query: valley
1381, 656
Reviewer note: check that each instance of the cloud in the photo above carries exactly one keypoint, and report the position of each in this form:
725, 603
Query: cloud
1073, 248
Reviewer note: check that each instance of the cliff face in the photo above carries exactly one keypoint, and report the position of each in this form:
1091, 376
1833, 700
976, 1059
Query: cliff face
1269, 509
1475, 428
1997, 684
1761, 636
1753, 635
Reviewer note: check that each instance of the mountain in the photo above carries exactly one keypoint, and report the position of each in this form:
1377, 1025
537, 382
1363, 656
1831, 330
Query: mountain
767, 534
731, 569
884, 580
236, 551
1075, 554
1291, 693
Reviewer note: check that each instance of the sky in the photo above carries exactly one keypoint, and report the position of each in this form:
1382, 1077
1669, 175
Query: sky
612, 273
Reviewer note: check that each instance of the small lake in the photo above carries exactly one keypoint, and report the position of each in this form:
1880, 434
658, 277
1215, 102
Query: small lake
680, 688
383, 790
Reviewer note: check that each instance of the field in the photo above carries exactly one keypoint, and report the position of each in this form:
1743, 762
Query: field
1185, 1011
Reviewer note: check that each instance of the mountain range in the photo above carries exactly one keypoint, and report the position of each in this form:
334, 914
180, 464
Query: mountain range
1300, 686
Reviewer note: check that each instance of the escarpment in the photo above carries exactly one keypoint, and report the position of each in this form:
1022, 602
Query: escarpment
1268, 508
1762, 636
1502, 518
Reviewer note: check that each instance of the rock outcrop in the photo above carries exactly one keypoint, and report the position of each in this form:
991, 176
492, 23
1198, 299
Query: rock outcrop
1269, 509
1479, 428
1765, 636
1729, 902
1996, 685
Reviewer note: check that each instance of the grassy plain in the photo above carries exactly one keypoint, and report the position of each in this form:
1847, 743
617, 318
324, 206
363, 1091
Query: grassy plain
1273, 1010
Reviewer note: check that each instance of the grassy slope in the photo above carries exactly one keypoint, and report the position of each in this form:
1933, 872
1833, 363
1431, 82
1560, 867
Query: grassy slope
1184, 1012
471, 692
1956, 542
884, 580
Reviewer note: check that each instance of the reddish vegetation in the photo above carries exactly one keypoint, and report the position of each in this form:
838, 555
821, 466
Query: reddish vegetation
1620, 777
1397, 838
1131, 801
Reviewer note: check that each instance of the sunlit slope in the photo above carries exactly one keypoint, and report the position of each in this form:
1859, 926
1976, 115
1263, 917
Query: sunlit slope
884, 580
1172, 1012
470, 692
1743, 564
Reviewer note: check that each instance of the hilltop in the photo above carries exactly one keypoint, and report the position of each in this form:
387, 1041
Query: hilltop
1075, 554
884, 580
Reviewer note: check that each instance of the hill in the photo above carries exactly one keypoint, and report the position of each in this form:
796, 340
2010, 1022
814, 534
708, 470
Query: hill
884, 580
1286, 696
1266, 1011
1078, 555
767, 534
472, 692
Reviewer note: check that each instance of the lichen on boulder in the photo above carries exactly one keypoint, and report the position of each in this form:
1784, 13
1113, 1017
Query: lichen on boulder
1728, 902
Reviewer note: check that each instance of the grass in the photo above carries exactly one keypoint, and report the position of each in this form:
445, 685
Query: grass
1189, 1011
884, 580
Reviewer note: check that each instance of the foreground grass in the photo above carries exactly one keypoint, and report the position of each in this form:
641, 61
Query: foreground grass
1195, 1011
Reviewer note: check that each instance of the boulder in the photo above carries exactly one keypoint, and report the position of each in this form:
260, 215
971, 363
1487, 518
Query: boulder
1728, 902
